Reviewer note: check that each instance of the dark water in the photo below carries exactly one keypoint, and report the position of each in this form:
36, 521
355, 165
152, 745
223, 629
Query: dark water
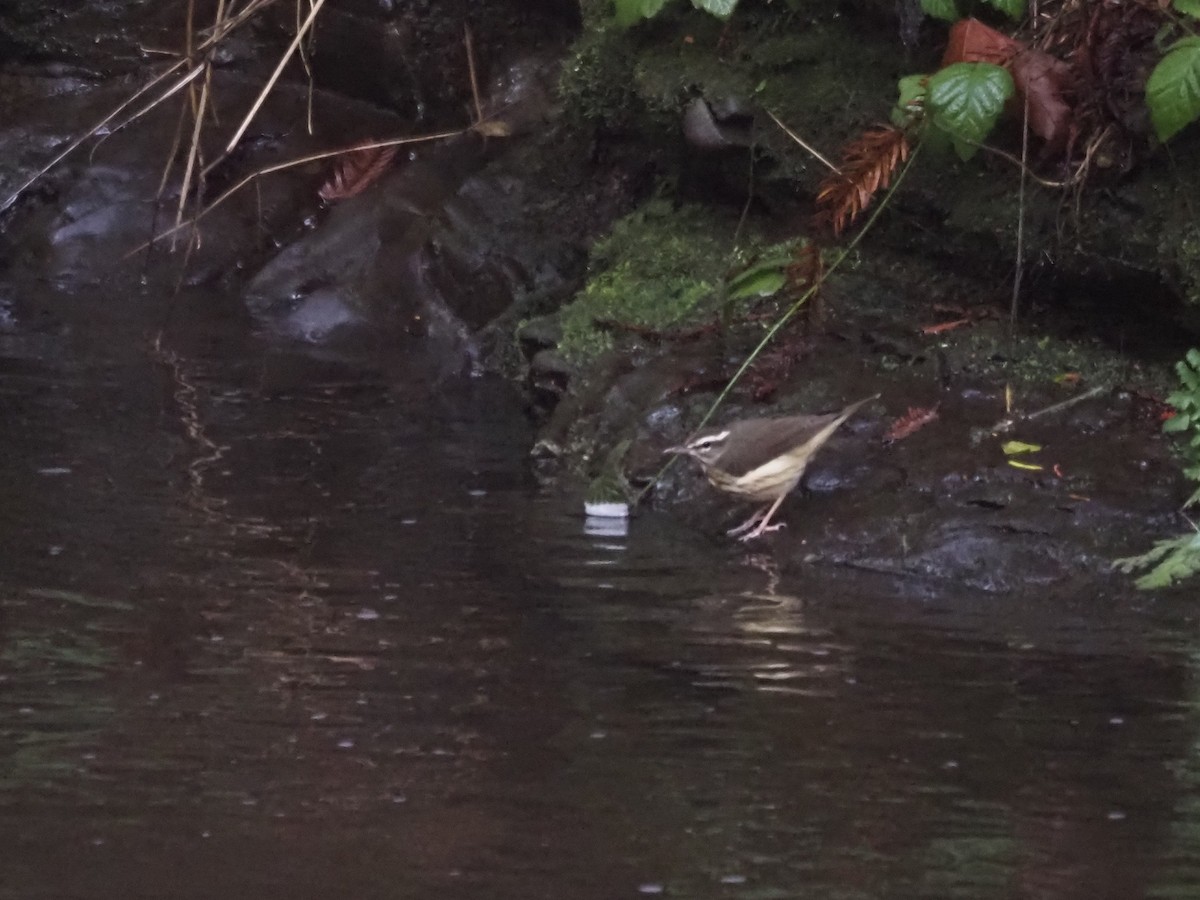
282, 626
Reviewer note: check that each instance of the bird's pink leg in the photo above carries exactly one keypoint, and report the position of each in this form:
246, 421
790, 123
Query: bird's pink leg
763, 523
749, 523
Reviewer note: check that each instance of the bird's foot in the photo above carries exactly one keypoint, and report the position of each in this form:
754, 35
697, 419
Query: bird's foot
762, 529
748, 524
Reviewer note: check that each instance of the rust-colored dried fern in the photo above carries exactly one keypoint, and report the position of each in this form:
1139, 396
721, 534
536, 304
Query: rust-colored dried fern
868, 163
355, 171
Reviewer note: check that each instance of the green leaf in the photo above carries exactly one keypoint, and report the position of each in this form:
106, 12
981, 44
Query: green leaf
1189, 7
1030, 467
1188, 376
966, 99
910, 105
946, 10
722, 9
1014, 9
759, 281
1187, 397
1173, 89
629, 12
1016, 448
1179, 422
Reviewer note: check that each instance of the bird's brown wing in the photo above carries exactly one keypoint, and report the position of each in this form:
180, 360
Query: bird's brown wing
759, 440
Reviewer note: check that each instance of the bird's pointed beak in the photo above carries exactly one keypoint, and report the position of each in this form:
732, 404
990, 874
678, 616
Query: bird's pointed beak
675, 450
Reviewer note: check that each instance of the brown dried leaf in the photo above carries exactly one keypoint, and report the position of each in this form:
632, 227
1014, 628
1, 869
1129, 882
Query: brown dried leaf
972, 41
1043, 80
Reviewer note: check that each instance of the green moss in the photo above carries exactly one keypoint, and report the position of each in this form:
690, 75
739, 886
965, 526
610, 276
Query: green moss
596, 82
659, 268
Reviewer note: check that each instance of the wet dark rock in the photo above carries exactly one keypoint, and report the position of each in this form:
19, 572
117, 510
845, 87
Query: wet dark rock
942, 506
548, 378
86, 220
439, 250
411, 57
541, 333
717, 126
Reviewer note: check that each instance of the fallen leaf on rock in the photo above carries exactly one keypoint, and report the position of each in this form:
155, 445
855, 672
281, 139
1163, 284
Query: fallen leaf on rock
492, 128
944, 326
910, 423
355, 171
1031, 467
1016, 448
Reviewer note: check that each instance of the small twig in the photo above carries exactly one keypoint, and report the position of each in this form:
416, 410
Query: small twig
176, 143
185, 189
269, 86
289, 164
308, 72
1020, 269
799, 140
1006, 425
469, 42
183, 82
1008, 157
95, 129
217, 34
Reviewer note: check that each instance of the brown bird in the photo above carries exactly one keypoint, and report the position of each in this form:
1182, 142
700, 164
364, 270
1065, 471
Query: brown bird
762, 459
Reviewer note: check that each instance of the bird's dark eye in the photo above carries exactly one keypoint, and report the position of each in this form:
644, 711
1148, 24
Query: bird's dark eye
709, 441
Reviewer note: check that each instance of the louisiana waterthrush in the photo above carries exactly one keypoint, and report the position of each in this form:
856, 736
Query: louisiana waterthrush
762, 459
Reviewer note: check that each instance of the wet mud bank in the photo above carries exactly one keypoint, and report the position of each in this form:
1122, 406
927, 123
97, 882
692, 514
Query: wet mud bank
945, 508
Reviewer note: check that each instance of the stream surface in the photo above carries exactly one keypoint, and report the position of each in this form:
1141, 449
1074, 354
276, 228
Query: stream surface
278, 624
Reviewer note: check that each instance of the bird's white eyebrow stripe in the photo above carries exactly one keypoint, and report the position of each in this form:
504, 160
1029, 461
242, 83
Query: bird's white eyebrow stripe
717, 437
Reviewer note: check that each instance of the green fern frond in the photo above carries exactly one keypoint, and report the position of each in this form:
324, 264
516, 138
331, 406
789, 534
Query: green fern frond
1130, 564
1169, 561
1178, 558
